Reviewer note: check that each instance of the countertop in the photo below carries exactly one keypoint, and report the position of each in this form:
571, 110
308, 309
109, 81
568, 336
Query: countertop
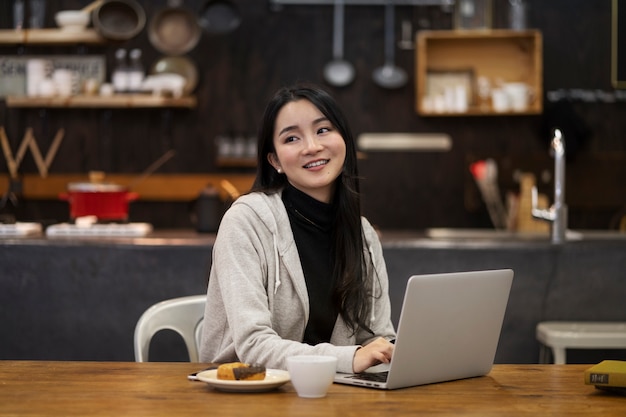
80, 298
434, 238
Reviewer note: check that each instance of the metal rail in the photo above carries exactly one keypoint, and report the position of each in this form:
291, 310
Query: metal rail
278, 3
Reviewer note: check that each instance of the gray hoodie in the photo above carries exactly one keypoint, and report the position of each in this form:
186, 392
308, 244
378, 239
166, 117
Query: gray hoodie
257, 303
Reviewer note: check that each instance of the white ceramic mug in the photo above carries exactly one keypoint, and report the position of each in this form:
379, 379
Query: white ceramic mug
499, 100
518, 95
46, 88
63, 80
312, 375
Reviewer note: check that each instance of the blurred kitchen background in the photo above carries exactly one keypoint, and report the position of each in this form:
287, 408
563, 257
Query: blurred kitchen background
278, 43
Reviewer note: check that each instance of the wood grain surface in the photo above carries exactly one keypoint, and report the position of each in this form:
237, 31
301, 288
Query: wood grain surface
162, 389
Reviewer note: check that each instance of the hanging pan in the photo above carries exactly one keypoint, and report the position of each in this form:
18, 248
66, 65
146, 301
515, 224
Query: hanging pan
219, 16
119, 19
174, 31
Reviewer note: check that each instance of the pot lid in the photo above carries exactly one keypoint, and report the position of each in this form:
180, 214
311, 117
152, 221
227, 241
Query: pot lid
95, 187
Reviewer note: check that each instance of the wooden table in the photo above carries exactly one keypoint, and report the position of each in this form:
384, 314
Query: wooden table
38, 388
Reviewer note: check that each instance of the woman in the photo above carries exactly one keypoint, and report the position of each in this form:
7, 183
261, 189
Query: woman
296, 270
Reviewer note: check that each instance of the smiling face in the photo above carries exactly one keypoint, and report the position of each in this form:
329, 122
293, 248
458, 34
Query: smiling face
309, 150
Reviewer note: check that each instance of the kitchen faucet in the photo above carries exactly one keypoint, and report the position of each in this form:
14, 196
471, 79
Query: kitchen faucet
557, 214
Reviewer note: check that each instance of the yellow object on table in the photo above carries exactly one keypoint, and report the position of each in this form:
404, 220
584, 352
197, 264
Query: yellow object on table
607, 374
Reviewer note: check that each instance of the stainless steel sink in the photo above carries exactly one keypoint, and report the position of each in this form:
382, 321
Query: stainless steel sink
500, 235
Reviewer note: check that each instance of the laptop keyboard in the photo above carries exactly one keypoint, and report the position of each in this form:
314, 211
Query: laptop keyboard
371, 376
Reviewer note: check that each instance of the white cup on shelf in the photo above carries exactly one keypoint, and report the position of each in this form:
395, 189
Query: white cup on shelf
499, 100
46, 88
36, 71
64, 83
518, 94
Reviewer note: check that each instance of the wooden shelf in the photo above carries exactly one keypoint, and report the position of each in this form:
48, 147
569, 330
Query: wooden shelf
156, 187
115, 101
507, 55
50, 37
236, 162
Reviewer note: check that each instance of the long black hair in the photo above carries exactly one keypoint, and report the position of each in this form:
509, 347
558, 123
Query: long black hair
351, 293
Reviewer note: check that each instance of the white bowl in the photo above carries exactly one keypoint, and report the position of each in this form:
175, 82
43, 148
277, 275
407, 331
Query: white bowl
72, 20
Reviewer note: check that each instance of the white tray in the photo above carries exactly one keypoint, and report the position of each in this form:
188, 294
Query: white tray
110, 229
20, 229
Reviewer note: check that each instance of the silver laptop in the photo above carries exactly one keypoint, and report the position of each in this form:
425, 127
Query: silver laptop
449, 329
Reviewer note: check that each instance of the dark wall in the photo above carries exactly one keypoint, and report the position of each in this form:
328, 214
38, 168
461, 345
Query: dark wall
238, 72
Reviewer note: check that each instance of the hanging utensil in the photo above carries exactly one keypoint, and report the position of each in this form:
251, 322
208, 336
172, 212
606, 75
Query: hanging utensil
406, 42
389, 75
219, 16
153, 167
174, 30
91, 6
119, 20
338, 72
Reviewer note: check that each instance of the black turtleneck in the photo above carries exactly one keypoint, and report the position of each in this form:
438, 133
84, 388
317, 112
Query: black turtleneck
311, 222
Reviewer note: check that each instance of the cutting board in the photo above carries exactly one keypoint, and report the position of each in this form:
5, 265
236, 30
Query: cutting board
525, 220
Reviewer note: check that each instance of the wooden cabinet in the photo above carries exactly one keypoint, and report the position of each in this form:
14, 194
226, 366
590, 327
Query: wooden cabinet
458, 60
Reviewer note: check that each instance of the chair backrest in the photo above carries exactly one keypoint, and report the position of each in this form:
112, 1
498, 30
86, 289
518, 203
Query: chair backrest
183, 315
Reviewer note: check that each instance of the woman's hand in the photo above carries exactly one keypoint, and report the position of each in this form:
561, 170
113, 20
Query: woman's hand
374, 353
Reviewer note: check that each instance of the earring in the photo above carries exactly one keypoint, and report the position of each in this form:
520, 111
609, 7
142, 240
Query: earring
280, 171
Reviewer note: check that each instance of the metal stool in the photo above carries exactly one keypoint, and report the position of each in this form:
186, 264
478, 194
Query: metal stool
562, 335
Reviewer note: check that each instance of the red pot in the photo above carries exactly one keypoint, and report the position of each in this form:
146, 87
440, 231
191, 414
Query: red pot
105, 201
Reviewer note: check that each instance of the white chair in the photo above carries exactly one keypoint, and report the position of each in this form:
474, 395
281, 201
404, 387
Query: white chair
562, 335
183, 315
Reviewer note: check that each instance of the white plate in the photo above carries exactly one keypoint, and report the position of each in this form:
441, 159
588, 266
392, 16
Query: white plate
274, 378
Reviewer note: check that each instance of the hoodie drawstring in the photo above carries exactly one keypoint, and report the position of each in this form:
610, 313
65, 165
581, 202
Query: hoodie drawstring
373, 315
277, 280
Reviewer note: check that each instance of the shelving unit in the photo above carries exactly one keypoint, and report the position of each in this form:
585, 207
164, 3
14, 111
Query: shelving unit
229, 162
50, 37
156, 187
95, 101
507, 55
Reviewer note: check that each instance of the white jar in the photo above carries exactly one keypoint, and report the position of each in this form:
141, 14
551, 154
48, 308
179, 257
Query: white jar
36, 71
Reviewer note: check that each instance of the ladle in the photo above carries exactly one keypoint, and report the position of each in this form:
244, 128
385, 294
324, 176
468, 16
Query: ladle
338, 72
91, 6
153, 167
389, 75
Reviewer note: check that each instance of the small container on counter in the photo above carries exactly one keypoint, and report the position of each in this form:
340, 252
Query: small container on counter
209, 210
